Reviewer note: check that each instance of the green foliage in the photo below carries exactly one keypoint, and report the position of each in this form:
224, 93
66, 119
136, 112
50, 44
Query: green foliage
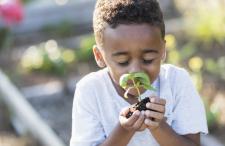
4, 38
205, 21
26, 1
212, 113
138, 79
47, 57
211, 118
212, 66
188, 50
216, 67
85, 53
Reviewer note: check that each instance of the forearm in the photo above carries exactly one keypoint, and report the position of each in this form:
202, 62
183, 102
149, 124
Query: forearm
166, 136
118, 137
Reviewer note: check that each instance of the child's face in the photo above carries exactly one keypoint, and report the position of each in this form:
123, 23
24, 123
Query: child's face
132, 48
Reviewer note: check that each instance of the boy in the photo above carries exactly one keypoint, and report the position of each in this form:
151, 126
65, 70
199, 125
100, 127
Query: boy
130, 38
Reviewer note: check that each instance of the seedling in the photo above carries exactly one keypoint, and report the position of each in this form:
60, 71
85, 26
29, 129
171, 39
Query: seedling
136, 80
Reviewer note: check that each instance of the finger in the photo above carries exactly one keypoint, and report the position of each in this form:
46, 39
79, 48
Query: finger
158, 100
156, 107
154, 115
124, 111
137, 125
133, 118
150, 123
143, 126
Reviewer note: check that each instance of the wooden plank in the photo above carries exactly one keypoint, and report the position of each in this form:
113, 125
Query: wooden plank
25, 116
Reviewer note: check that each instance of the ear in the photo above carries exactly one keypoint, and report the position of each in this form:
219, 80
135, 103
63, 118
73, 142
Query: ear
98, 57
164, 51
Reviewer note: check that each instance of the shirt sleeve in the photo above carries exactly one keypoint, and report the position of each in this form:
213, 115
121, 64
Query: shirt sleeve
189, 112
86, 127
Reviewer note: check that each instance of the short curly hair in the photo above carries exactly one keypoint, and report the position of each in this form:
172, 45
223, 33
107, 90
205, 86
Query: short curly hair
114, 12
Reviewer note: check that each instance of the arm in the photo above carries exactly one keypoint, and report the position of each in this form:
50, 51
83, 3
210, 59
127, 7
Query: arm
165, 136
115, 137
162, 132
125, 129
188, 114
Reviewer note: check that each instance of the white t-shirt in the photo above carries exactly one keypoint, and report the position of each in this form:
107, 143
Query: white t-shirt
97, 105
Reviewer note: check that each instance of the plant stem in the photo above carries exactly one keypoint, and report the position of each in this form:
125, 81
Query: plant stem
139, 95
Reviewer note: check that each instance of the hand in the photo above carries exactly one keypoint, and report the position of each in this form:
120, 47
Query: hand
134, 123
156, 115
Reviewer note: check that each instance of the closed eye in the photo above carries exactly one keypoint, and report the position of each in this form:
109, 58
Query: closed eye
123, 63
148, 61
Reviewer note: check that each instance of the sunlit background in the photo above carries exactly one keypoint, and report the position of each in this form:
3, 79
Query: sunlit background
46, 47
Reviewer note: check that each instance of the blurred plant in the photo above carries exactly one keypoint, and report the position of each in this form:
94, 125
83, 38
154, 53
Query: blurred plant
47, 57
173, 56
11, 12
205, 20
138, 80
26, 1
4, 37
212, 114
195, 63
84, 52
215, 111
50, 58
215, 67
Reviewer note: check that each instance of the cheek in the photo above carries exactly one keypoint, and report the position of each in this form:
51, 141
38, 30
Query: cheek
115, 73
153, 70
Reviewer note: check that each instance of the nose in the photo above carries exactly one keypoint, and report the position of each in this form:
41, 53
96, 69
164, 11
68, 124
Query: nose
135, 66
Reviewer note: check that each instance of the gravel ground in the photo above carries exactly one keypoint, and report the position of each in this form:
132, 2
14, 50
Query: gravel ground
56, 111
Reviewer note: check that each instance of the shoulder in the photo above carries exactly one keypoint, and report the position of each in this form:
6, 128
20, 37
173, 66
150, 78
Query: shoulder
176, 78
85, 96
173, 73
92, 79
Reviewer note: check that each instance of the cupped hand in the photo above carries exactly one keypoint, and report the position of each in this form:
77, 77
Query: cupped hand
155, 115
133, 123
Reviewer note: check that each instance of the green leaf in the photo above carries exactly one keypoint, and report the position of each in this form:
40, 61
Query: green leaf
124, 79
140, 78
141, 75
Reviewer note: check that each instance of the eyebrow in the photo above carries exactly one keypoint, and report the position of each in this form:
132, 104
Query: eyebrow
144, 51
119, 53
150, 51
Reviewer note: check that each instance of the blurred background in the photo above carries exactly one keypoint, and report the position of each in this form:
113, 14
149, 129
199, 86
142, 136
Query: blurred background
46, 47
